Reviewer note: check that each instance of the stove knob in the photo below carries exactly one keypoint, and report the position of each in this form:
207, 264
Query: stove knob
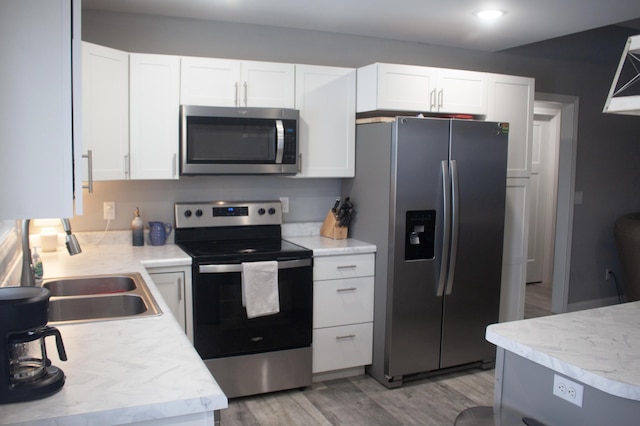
198, 213
261, 211
187, 213
272, 211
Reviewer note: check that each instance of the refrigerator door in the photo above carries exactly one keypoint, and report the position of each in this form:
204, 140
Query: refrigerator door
419, 147
472, 295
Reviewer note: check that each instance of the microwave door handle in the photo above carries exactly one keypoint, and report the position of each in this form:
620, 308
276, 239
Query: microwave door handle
279, 141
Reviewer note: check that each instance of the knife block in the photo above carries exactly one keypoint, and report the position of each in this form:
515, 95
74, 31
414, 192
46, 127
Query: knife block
331, 229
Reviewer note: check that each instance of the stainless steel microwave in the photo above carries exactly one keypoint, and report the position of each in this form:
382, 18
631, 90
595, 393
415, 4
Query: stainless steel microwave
227, 141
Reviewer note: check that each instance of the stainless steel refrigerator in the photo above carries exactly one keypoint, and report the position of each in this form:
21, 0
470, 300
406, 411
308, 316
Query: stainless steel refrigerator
430, 193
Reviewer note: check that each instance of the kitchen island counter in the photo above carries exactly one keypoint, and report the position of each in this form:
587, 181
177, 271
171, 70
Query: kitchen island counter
596, 348
139, 370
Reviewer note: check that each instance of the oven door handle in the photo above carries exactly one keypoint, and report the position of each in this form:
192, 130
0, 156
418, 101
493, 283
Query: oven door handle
237, 267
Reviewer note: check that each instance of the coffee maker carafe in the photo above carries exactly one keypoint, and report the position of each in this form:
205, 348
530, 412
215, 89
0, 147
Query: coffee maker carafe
25, 371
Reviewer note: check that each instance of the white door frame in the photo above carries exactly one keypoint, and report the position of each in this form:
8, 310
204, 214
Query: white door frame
568, 108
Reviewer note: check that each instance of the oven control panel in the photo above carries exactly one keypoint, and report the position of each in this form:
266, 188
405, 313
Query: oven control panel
228, 213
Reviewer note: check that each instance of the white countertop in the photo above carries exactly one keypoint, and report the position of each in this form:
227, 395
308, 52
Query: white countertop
599, 347
323, 246
121, 371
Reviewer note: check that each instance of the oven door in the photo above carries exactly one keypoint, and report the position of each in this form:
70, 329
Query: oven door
221, 327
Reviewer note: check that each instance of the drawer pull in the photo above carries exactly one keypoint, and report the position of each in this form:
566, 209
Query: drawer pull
346, 266
347, 336
340, 290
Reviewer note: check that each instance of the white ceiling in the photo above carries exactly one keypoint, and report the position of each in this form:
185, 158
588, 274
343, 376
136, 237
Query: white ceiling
438, 22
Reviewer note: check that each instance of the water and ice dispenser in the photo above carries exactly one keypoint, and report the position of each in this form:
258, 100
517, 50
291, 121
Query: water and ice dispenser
420, 228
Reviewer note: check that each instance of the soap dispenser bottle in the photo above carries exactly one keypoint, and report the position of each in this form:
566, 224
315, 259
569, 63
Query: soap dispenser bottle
137, 229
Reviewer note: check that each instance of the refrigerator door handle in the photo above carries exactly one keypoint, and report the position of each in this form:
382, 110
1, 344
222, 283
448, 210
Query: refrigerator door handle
444, 165
455, 218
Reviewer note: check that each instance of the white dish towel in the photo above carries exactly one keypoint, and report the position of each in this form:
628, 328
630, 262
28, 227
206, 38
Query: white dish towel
260, 288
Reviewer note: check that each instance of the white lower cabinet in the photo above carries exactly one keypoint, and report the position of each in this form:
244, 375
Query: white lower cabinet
342, 311
174, 284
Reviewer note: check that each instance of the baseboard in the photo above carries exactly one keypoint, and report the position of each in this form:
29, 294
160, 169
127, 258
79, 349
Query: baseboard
593, 303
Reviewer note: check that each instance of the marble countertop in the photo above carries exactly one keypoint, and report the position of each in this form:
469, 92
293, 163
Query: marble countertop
121, 371
599, 347
323, 246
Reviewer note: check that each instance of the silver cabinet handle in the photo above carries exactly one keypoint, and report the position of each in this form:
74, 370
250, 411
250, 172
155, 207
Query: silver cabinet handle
346, 266
237, 100
245, 94
300, 163
340, 290
127, 166
89, 157
346, 336
174, 165
432, 100
179, 288
440, 99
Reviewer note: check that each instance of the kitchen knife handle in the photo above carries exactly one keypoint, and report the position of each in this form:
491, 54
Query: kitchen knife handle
455, 215
444, 165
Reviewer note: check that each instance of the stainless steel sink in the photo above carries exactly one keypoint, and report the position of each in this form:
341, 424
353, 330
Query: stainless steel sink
90, 285
99, 298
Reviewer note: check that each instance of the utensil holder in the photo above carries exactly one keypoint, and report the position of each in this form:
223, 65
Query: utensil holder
331, 229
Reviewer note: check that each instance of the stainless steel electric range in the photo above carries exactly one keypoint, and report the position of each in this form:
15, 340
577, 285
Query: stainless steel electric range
247, 355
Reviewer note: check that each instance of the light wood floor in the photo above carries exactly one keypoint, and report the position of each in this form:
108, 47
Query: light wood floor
363, 401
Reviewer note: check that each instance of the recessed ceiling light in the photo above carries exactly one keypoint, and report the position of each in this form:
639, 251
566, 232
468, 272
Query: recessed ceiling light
489, 14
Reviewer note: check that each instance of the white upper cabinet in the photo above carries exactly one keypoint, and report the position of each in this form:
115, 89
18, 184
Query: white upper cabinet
39, 143
421, 89
511, 100
326, 99
154, 103
105, 114
233, 83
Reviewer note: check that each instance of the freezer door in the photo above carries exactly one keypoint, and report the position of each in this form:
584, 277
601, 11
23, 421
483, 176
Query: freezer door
472, 296
418, 150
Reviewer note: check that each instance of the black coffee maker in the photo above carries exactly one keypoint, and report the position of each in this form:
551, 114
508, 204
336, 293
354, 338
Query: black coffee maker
25, 371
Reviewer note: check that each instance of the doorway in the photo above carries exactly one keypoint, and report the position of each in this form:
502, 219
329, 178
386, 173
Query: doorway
552, 186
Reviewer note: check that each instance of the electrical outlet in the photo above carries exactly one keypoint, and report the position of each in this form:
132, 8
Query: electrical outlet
109, 210
285, 204
567, 390
607, 274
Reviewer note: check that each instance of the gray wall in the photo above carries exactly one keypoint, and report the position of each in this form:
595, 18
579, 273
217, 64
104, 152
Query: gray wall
581, 65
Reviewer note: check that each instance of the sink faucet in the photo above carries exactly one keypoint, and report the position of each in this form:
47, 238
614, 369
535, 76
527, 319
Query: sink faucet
28, 278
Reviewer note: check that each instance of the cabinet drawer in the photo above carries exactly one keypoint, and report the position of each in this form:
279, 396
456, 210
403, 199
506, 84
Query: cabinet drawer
338, 302
336, 267
348, 346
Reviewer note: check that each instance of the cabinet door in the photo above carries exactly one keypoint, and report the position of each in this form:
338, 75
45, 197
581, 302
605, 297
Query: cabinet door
325, 97
171, 286
105, 110
511, 99
462, 92
154, 116
209, 82
267, 84
406, 87
36, 127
